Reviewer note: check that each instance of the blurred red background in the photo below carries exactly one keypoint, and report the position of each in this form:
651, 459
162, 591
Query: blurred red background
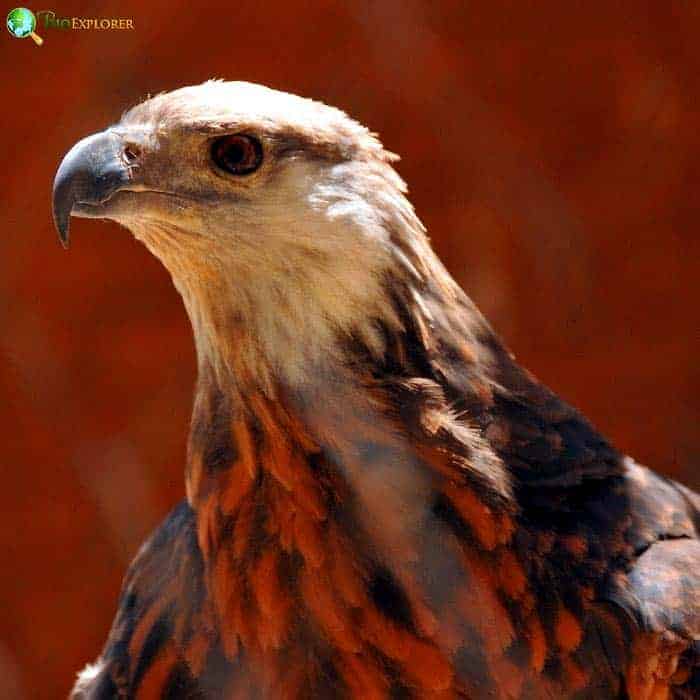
554, 156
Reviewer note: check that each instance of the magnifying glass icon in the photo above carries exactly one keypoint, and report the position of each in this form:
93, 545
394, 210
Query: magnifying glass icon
21, 23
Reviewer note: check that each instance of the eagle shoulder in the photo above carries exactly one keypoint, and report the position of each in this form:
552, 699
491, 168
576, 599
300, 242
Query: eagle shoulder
161, 633
660, 593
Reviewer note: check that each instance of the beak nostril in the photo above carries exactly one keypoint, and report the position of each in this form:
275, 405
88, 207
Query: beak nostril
131, 153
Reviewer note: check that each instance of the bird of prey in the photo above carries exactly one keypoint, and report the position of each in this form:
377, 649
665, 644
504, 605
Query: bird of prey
380, 502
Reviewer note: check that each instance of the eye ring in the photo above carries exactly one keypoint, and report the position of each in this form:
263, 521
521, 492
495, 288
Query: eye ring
238, 154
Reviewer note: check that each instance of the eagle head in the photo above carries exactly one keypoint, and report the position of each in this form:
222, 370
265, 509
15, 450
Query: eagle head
275, 214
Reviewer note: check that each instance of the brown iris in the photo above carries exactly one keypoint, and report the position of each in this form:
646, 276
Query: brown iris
238, 154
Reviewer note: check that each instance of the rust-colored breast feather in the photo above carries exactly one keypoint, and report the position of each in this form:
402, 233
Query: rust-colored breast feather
470, 536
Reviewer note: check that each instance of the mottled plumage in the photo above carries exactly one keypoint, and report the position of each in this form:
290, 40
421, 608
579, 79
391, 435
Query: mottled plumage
381, 503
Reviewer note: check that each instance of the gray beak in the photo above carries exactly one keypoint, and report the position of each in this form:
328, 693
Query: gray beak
91, 172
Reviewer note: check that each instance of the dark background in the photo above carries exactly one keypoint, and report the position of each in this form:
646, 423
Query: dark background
552, 149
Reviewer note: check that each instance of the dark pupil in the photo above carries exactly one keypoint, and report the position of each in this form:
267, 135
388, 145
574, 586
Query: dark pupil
235, 154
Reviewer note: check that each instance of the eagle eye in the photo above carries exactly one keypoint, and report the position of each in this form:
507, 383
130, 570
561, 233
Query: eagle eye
238, 154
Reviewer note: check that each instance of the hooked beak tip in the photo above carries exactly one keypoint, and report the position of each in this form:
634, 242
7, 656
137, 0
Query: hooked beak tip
64, 238
62, 222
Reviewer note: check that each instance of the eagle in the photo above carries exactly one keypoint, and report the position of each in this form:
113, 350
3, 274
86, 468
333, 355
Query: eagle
380, 502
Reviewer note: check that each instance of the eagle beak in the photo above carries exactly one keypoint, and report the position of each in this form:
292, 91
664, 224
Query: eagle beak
91, 172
